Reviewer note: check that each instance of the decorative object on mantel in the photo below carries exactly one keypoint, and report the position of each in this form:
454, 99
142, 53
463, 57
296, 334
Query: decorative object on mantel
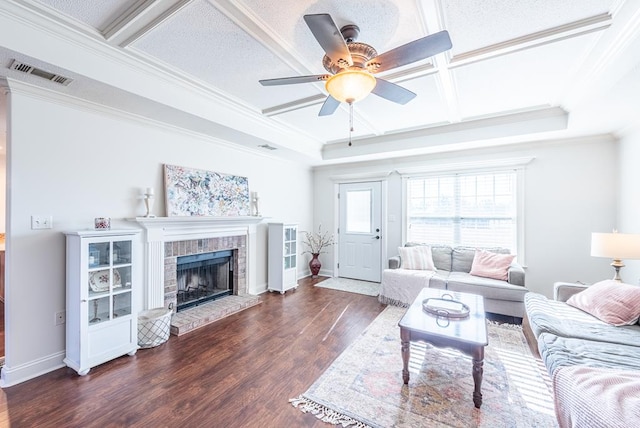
148, 202
196, 192
316, 242
102, 223
255, 202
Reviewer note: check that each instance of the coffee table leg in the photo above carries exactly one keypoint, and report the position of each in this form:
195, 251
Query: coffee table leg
478, 362
405, 338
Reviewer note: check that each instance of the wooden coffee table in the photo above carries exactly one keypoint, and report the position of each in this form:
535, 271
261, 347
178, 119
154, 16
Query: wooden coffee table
468, 335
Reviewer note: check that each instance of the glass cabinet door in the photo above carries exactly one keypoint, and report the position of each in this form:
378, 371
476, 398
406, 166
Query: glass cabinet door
99, 310
121, 252
290, 247
109, 280
121, 304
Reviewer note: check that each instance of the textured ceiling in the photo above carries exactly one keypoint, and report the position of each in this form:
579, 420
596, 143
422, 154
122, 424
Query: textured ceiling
508, 57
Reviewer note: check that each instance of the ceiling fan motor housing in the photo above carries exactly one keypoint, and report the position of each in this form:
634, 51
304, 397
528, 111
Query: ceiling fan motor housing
361, 53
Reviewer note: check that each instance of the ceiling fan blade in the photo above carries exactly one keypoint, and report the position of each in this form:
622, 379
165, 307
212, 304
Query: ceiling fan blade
329, 107
411, 52
329, 37
294, 80
392, 92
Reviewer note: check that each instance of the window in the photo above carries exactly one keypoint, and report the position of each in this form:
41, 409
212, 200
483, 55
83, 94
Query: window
475, 209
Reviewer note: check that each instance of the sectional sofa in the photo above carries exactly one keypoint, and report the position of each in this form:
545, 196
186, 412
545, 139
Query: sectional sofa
589, 341
452, 269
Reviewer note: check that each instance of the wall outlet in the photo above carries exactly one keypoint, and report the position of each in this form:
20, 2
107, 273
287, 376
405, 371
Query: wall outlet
41, 222
61, 317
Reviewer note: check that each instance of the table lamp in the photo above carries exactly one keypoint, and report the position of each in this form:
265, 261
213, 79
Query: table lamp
616, 246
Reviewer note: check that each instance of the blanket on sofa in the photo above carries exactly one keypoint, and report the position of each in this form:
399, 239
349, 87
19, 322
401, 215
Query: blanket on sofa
560, 319
403, 285
559, 352
596, 397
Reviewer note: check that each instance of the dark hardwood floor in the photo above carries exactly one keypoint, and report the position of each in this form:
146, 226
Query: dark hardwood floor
238, 372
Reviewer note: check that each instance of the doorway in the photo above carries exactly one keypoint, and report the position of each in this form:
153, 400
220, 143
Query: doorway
360, 234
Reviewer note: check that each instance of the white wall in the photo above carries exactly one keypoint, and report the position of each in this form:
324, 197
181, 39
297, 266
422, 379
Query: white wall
629, 214
569, 193
76, 163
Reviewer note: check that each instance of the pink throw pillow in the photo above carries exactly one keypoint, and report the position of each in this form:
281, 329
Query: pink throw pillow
613, 302
491, 265
418, 258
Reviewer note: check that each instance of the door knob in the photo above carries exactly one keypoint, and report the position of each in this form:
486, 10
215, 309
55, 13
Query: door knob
376, 237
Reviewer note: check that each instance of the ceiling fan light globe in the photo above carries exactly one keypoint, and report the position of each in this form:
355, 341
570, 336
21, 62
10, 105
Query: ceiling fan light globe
350, 85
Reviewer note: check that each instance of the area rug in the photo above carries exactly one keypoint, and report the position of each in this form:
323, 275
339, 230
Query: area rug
364, 388
351, 285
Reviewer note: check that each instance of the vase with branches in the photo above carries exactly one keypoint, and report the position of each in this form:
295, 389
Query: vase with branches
316, 243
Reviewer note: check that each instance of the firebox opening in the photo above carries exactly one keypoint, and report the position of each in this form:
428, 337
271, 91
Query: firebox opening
204, 277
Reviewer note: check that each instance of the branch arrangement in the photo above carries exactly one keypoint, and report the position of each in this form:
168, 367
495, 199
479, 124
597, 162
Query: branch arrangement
317, 241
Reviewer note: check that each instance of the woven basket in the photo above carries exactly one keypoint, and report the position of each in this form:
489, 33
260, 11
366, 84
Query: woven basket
154, 327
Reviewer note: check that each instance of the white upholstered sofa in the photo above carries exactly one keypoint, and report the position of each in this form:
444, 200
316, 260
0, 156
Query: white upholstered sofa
452, 267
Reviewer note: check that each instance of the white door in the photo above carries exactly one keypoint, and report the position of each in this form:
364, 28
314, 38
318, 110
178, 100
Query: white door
360, 237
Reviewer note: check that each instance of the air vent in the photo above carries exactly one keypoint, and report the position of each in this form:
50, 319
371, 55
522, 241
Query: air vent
268, 147
29, 69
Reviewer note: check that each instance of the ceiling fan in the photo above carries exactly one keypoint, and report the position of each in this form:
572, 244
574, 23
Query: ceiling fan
353, 64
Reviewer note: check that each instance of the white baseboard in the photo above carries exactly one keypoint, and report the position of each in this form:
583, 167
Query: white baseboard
14, 375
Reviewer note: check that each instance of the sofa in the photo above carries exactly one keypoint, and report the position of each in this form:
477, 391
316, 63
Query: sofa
451, 269
589, 340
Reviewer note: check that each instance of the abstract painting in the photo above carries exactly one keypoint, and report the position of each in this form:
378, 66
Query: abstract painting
196, 192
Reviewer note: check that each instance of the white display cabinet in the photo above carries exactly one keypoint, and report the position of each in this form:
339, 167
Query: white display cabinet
283, 257
102, 294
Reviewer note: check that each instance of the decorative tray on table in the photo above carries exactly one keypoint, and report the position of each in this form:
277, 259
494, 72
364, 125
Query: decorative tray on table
445, 307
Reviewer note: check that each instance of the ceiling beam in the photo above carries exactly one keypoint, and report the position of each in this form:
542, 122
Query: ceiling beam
572, 29
478, 130
142, 17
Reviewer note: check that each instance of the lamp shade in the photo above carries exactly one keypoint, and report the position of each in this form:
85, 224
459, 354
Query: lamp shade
350, 85
615, 245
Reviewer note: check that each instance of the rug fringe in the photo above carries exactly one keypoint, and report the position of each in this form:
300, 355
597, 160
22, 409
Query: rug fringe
506, 325
324, 413
393, 302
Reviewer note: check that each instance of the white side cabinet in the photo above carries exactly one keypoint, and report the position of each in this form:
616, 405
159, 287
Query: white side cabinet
102, 294
283, 257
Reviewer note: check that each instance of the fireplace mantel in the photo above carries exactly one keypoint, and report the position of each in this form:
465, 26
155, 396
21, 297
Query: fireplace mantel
159, 230
154, 222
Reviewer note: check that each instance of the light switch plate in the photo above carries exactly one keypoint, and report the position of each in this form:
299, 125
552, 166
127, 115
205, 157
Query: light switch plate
41, 222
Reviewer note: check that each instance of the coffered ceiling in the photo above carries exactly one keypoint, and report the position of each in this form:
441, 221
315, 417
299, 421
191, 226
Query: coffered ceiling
519, 70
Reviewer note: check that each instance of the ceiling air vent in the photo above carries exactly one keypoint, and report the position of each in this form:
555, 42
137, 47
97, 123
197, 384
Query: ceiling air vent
29, 69
268, 147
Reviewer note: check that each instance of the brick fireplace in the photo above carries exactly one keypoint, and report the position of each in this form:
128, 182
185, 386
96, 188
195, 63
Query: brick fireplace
168, 238
173, 250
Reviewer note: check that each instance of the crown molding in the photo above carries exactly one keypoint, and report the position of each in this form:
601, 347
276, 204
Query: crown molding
203, 101
80, 104
354, 177
491, 164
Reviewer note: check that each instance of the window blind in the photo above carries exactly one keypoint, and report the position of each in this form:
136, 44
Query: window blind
477, 210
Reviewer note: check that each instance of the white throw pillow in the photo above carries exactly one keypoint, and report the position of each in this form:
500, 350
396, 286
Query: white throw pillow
416, 258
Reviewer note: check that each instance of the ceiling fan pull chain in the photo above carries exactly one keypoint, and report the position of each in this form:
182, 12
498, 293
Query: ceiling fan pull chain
350, 121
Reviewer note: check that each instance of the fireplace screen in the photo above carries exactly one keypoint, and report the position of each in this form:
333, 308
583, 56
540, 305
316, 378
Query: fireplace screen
204, 277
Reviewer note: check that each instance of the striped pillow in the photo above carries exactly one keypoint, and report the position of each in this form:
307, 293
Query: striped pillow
491, 265
416, 258
613, 302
